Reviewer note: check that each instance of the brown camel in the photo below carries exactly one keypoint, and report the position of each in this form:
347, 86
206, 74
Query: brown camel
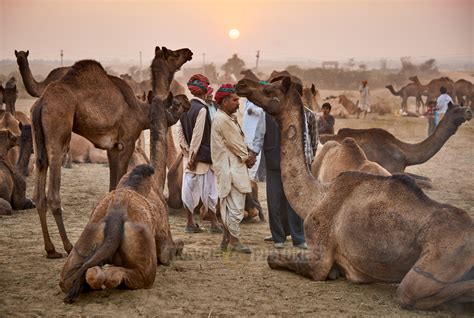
127, 218
99, 107
12, 183
33, 87
1, 95
395, 155
431, 90
337, 109
371, 228
348, 104
82, 150
335, 158
464, 92
409, 90
310, 98
250, 75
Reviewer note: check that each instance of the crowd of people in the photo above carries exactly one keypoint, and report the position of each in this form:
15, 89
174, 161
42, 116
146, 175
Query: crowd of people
220, 158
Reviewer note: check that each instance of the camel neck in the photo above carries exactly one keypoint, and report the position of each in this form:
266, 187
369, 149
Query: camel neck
31, 85
301, 188
421, 152
158, 147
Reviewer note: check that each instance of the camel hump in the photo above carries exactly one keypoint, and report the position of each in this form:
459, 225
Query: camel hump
126, 91
82, 68
350, 145
57, 74
138, 177
410, 184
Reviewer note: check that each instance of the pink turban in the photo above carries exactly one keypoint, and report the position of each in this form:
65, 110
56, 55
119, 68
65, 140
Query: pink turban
223, 91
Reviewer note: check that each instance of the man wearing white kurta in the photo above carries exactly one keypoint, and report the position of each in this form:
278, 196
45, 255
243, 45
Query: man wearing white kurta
230, 159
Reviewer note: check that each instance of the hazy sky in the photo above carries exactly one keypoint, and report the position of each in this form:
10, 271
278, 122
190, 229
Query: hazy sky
281, 30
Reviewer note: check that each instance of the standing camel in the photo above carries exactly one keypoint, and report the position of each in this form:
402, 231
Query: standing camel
409, 90
464, 92
431, 90
371, 228
131, 216
395, 155
99, 107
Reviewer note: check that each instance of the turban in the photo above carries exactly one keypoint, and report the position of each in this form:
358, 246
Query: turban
223, 91
198, 84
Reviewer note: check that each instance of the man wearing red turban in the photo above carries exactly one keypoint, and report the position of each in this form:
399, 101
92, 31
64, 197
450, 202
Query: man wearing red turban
195, 141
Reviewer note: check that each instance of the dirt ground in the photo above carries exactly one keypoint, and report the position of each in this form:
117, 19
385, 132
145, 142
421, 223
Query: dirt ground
204, 281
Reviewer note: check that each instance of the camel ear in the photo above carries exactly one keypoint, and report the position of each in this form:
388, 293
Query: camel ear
157, 50
286, 83
313, 89
16, 53
27, 53
165, 52
150, 96
169, 99
13, 138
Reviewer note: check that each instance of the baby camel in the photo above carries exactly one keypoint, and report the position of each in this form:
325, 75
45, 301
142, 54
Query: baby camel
372, 228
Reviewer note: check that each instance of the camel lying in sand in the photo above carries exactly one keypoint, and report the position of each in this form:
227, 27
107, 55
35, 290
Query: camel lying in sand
335, 158
395, 155
372, 228
12, 183
129, 228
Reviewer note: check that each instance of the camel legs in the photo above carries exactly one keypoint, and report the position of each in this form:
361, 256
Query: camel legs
138, 253
425, 287
316, 264
118, 163
41, 206
54, 199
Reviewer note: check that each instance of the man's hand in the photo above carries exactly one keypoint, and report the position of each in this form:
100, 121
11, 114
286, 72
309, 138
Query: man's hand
250, 162
192, 162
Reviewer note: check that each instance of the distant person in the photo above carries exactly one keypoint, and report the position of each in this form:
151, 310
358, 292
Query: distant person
442, 104
211, 105
231, 160
326, 121
364, 101
430, 115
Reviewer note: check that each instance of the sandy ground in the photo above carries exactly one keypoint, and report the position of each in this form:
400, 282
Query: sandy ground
204, 281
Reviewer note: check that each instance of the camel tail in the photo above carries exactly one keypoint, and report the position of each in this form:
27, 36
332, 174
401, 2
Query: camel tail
41, 156
113, 234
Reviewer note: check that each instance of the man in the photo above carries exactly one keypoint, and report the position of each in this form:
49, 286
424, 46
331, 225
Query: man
364, 102
442, 104
283, 220
231, 160
195, 142
252, 120
326, 121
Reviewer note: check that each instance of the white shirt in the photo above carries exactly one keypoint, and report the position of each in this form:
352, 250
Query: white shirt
252, 122
442, 103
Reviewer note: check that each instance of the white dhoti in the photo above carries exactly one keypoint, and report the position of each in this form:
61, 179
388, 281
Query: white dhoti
198, 187
232, 211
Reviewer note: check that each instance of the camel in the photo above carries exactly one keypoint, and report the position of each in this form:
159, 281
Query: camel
33, 87
395, 155
250, 75
127, 218
99, 107
371, 228
464, 92
337, 109
310, 98
348, 104
82, 150
10, 95
409, 90
431, 90
12, 183
1, 95
335, 158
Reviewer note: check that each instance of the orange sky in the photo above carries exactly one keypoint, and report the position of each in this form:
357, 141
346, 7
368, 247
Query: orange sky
282, 30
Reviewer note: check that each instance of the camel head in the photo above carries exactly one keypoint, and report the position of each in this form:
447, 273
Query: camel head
310, 95
250, 75
10, 94
253, 91
456, 115
175, 106
8, 140
171, 60
22, 55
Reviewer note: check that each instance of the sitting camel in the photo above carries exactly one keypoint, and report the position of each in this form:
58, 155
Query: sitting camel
371, 228
12, 183
125, 218
395, 155
99, 107
349, 105
82, 150
335, 158
310, 98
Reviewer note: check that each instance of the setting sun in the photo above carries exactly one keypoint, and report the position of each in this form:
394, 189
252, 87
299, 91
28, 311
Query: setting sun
234, 34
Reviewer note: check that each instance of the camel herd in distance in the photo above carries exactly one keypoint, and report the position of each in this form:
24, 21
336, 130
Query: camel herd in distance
365, 218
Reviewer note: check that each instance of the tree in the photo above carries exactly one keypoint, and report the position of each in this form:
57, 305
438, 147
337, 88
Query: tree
234, 65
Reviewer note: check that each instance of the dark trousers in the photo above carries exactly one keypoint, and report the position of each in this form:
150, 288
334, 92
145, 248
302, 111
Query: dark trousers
282, 218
